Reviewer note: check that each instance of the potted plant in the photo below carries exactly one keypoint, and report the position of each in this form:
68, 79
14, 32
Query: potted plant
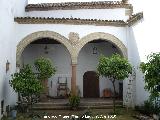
74, 102
114, 68
45, 70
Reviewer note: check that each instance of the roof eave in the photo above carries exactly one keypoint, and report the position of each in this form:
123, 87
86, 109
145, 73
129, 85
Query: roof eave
78, 5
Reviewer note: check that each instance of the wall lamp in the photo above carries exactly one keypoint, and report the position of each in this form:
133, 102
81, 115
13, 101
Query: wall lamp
94, 50
7, 66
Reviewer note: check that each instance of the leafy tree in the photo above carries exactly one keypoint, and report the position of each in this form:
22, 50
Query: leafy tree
26, 83
45, 68
114, 68
151, 70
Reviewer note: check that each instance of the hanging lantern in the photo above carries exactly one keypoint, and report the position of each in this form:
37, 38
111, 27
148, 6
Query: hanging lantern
46, 49
94, 50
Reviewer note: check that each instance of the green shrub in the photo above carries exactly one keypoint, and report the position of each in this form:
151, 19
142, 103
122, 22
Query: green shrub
148, 108
27, 85
74, 101
156, 109
25, 82
115, 68
151, 70
45, 68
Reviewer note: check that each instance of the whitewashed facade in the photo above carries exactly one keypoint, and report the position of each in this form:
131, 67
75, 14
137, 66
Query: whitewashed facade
14, 30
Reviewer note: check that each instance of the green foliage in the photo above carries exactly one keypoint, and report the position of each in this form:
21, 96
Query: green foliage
74, 101
156, 109
151, 70
115, 67
148, 108
45, 68
25, 82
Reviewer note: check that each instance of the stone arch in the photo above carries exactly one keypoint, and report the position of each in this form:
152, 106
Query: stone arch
104, 36
38, 35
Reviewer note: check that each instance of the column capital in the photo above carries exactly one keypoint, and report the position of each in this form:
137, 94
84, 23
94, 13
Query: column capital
74, 60
73, 38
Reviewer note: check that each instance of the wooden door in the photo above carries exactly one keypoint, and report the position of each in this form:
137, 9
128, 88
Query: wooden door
90, 85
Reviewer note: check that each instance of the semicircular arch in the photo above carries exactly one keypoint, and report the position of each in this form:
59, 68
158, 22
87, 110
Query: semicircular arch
38, 35
103, 36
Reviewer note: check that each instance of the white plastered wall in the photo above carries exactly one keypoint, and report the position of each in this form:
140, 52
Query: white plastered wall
108, 14
22, 30
7, 45
134, 58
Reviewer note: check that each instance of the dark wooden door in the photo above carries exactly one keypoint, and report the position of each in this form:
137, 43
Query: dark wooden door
90, 85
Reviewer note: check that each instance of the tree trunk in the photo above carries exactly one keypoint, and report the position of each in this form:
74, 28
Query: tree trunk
31, 104
44, 94
114, 95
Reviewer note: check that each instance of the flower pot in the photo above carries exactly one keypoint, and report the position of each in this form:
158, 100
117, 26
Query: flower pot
156, 117
13, 114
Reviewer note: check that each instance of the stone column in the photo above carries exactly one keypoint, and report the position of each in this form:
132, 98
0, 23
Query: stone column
74, 41
73, 79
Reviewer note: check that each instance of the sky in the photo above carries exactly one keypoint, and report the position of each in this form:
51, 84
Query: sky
147, 33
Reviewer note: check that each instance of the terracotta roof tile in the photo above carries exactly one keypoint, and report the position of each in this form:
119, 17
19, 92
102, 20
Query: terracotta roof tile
74, 21
78, 5
134, 18
77, 21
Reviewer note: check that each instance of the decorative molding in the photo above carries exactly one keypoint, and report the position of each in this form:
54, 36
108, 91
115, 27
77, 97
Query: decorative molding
73, 21
135, 18
77, 21
73, 38
79, 5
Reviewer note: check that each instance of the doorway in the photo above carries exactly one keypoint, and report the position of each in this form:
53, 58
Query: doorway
90, 85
